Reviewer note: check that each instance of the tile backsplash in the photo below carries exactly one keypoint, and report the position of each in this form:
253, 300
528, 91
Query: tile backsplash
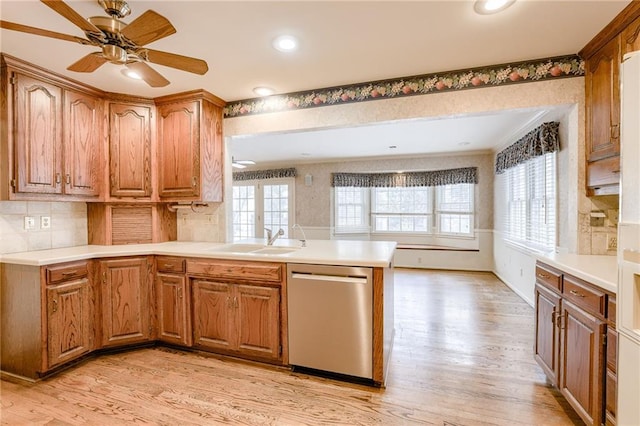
68, 225
601, 236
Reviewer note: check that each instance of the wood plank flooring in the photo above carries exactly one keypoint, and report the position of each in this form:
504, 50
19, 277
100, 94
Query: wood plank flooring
462, 356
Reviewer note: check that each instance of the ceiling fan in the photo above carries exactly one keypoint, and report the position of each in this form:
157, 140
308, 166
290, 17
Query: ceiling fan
120, 43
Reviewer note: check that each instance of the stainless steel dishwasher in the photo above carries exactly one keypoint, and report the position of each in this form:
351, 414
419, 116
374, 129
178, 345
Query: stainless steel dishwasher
331, 318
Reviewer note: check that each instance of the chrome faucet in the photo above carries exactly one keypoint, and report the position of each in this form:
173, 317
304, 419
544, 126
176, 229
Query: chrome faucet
303, 240
271, 238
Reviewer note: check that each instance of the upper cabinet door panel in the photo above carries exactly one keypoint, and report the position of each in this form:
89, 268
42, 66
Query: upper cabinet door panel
38, 136
603, 113
179, 150
82, 143
130, 150
631, 37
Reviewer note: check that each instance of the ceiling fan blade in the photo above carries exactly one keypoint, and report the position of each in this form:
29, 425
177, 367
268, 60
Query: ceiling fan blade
88, 63
173, 60
67, 12
148, 27
148, 74
39, 31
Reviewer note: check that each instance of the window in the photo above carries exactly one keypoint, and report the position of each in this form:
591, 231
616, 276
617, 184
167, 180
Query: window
436, 210
262, 204
531, 202
402, 209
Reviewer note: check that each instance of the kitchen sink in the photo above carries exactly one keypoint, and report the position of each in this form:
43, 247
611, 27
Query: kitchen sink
275, 250
238, 248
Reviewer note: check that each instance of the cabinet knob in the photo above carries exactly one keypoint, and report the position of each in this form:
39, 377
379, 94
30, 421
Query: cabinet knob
58, 178
68, 179
194, 181
54, 308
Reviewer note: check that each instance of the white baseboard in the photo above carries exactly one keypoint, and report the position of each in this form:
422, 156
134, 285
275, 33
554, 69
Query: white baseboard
514, 289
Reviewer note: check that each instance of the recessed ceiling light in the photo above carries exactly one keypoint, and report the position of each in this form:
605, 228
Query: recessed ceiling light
393, 146
464, 143
305, 154
131, 74
487, 7
263, 91
285, 43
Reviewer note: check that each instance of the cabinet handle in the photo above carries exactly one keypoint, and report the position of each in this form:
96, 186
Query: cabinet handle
68, 179
55, 305
235, 302
559, 322
194, 181
180, 292
166, 266
543, 276
575, 293
104, 277
68, 273
554, 316
615, 131
58, 178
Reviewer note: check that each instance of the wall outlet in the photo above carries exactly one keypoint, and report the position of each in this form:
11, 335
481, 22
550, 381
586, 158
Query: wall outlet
45, 222
29, 222
612, 242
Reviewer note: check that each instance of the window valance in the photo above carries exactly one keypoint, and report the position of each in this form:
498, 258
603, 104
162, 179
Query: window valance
542, 140
265, 174
427, 178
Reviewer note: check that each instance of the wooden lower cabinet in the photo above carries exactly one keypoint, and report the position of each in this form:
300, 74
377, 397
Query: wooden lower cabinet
174, 309
575, 342
548, 306
126, 301
238, 318
69, 321
581, 365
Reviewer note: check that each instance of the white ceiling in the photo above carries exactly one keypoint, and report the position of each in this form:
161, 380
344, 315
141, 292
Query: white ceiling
341, 42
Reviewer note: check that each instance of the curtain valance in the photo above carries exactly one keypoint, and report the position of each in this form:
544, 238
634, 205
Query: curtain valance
427, 178
542, 140
265, 174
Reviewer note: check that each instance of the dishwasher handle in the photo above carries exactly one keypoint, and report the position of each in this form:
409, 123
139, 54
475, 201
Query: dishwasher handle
318, 277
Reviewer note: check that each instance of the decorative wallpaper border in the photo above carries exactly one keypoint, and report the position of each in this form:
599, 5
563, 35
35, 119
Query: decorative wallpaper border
495, 75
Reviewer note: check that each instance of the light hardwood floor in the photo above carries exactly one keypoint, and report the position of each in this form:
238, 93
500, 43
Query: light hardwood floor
462, 356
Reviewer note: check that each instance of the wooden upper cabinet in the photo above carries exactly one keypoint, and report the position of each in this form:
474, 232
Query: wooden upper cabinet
190, 147
179, 150
631, 37
603, 102
130, 150
82, 142
37, 122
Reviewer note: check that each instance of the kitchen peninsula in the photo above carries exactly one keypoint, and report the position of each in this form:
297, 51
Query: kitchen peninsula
62, 305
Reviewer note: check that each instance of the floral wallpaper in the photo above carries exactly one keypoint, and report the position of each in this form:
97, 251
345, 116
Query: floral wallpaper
523, 72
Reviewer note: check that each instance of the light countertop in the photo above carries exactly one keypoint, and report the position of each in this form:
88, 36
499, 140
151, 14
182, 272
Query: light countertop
598, 270
321, 252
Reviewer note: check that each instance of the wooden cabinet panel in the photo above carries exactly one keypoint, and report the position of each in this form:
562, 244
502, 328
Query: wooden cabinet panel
258, 321
581, 372
549, 277
130, 150
631, 37
38, 136
585, 296
170, 264
69, 321
257, 271
213, 319
547, 334
82, 142
174, 309
179, 149
126, 309
603, 102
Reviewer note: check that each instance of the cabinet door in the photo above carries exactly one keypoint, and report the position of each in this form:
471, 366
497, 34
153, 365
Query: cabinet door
174, 320
179, 150
582, 362
82, 141
547, 334
631, 37
125, 301
130, 150
213, 315
258, 311
38, 136
603, 102
69, 321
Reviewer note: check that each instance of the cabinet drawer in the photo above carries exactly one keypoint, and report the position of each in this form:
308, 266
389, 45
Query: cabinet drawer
603, 172
170, 264
68, 271
549, 277
580, 293
253, 271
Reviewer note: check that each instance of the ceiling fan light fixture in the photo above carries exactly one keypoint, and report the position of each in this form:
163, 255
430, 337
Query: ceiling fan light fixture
116, 8
488, 7
131, 74
285, 43
114, 54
